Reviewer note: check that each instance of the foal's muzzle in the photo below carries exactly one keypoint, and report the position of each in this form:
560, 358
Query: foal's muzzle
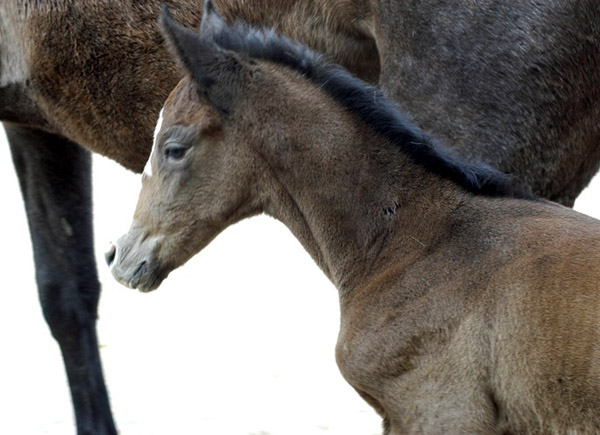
132, 261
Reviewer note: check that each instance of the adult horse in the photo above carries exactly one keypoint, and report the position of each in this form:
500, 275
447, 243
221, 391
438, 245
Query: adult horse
466, 305
92, 75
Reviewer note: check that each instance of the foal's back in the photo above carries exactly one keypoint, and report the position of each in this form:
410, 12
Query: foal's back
538, 313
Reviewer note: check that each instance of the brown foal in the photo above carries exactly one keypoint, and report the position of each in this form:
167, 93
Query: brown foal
466, 307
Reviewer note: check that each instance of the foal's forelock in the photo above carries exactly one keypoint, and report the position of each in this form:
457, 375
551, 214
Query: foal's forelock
148, 167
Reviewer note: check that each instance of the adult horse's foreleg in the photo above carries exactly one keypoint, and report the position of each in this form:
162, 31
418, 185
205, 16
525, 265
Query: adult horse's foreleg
55, 179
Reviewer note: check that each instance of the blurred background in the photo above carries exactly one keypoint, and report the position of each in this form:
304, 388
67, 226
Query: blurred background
238, 341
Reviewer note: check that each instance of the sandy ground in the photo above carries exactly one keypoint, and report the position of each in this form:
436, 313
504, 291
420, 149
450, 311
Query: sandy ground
239, 341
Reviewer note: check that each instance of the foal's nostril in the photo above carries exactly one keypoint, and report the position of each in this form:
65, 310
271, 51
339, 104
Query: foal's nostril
110, 254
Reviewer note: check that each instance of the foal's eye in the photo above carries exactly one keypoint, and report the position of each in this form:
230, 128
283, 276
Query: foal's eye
175, 151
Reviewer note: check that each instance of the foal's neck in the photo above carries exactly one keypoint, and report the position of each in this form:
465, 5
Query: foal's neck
359, 205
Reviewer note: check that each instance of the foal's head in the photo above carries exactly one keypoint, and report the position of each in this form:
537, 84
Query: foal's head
205, 171
254, 107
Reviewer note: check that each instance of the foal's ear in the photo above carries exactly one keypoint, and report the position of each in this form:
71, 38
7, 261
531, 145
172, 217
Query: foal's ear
212, 22
215, 71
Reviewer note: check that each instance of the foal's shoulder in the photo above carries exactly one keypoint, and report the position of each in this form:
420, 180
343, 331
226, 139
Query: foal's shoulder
527, 222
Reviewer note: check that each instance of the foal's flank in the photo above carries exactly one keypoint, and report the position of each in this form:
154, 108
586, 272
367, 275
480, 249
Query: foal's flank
466, 305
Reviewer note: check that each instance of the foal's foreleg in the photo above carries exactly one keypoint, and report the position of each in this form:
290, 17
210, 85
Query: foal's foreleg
55, 179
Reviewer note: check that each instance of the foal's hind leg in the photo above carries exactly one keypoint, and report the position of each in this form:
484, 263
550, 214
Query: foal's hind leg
55, 179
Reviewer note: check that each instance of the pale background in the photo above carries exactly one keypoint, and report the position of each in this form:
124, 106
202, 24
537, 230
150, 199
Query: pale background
238, 341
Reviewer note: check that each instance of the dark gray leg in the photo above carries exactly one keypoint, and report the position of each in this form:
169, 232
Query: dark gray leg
55, 179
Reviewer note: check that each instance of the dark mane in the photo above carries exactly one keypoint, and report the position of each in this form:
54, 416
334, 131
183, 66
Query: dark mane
365, 101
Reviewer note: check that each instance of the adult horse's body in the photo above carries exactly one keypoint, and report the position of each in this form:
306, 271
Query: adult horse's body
464, 309
514, 84
92, 75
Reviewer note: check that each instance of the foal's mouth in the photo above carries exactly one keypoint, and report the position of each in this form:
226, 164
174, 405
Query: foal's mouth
142, 279
138, 275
